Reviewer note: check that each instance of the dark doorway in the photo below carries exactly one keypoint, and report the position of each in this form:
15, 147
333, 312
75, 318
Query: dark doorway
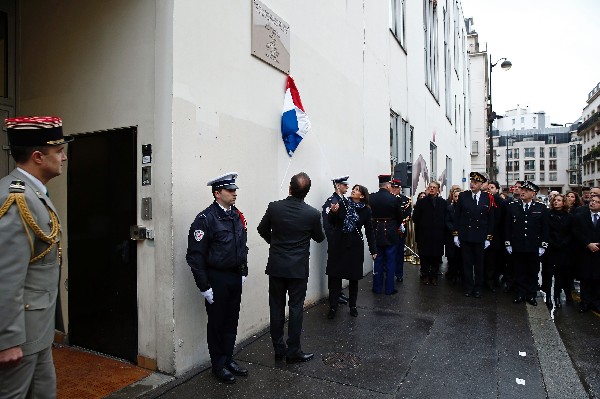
102, 284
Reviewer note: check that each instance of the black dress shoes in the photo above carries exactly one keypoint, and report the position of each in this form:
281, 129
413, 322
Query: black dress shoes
236, 369
353, 312
583, 307
279, 356
532, 301
476, 294
399, 279
519, 299
299, 357
467, 294
331, 313
393, 292
224, 376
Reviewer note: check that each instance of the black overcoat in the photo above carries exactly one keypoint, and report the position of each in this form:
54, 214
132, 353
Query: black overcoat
584, 233
346, 250
430, 225
560, 224
474, 221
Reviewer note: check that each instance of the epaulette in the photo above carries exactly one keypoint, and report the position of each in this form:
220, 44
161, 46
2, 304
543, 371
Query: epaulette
16, 186
201, 216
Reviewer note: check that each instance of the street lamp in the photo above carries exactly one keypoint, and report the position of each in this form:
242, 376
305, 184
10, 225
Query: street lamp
505, 65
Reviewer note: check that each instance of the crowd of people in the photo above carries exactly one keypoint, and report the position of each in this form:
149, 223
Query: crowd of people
489, 240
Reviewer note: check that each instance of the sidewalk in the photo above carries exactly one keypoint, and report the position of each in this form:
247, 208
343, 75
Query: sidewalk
424, 342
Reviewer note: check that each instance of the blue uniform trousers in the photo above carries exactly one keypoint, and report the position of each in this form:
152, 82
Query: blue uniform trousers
385, 262
400, 257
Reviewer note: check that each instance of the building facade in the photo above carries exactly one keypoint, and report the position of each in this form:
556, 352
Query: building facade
522, 119
478, 58
164, 95
589, 132
543, 156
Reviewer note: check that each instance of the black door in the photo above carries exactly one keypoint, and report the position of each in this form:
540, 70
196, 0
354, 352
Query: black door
102, 289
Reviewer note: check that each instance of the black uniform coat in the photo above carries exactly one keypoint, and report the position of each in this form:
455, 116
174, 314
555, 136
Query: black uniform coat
217, 241
526, 231
346, 250
288, 226
451, 249
474, 221
560, 224
387, 216
498, 231
334, 199
584, 233
430, 225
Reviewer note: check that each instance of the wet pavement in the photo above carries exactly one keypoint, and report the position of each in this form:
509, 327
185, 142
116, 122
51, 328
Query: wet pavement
423, 342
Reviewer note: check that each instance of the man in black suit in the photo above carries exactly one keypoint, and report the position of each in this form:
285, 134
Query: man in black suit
387, 216
474, 221
587, 236
406, 207
429, 216
526, 238
288, 226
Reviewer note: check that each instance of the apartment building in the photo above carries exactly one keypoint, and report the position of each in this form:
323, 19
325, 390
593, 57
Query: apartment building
589, 132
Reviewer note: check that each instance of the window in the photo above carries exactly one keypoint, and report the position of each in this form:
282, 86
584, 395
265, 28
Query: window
433, 160
515, 165
394, 127
516, 153
529, 165
509, 166
509, 154
522, 119
552, 176
542, 176
474, 147
447, 65
541, 152
431, 46
542, 164
530, 152
529, 176
552, 152
552, 164
397, 20
534, 119
551, 139
513, 121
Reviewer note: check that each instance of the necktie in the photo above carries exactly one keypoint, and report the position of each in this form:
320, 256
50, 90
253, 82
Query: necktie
475, 198
595, 218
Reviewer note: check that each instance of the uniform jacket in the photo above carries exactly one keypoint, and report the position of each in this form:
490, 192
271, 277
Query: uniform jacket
526, 231
346, 250
28, 292
429, 217
217, 241
387, 216
584, 233
474, 222
406, 207
288, 226
498, 231
334, 199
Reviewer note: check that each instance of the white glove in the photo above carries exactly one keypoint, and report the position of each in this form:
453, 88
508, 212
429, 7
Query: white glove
208, 295
456, 241
509, 249
541, 251
402, 228
243, 279
486, 244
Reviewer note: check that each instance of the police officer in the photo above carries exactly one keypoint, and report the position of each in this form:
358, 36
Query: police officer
340, 188
526, 238
474, 218
218, 256
406, 207
30, 252
387, 217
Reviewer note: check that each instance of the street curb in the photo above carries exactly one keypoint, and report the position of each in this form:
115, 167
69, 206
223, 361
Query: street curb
558, 372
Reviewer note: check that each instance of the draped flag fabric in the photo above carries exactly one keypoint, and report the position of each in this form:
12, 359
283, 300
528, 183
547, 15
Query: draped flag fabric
294, 121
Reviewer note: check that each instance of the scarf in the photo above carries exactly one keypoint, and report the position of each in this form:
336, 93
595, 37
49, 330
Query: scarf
351, 218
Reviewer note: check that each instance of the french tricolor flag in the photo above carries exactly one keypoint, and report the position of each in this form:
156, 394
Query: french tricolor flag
294, 121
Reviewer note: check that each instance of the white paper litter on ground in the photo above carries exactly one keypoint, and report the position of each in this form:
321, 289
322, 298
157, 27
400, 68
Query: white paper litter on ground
520, 381
522, 353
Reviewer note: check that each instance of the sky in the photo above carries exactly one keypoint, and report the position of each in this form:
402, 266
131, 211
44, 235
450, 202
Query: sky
554, 47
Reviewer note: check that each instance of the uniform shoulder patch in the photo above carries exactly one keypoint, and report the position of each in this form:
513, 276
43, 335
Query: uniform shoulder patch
198, 235
16, 186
